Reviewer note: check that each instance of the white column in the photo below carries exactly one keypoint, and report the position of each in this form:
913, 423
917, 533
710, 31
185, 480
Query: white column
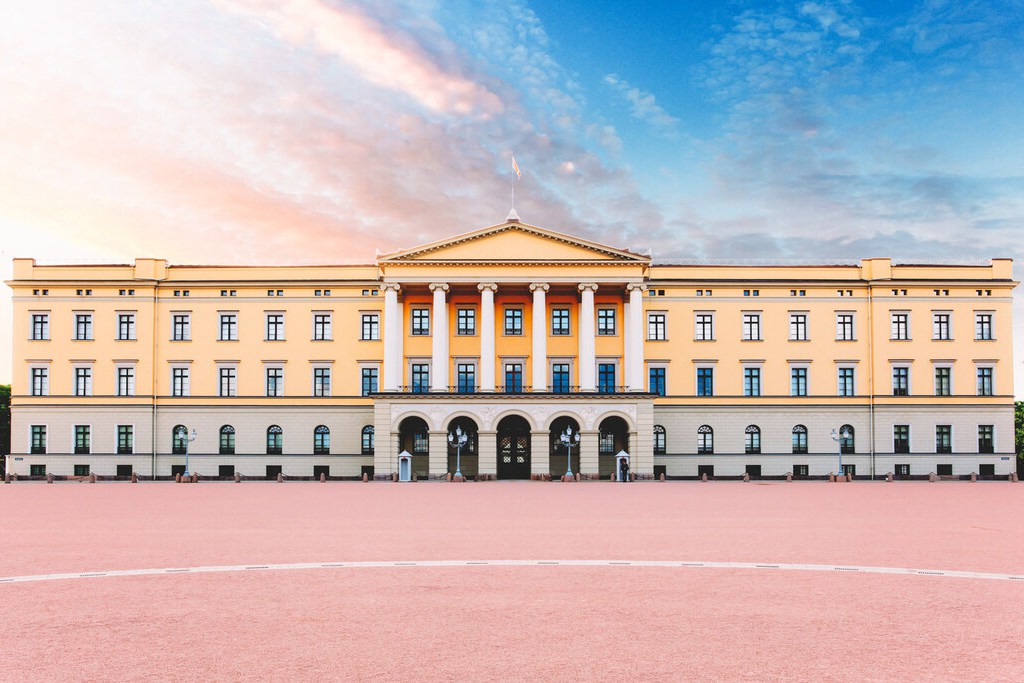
539, 352
393, 327
439, 349
586, 338
487, 336
635, 336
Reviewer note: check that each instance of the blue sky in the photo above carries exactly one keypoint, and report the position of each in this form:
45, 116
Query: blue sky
251, 130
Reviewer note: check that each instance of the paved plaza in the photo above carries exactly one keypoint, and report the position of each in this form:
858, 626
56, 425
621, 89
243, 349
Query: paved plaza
512, 581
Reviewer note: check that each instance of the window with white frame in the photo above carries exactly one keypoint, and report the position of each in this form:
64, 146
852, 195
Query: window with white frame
899, 326
606, 322
83, 381
659, 440
705, 440
126, 380
369, 380
228, 381
985, 380
560, 322
752, 439
798, 380
322, 327
986, 439
321, 380
465, 322
704, 326
181, 326
943, 380
465, 377
37, 439
274, 380
275, 327
983, 326
40, 326
941, 326
656, 326
180, 381
900, 380
370, 327
83, 326
125, 439
420, 320
943, 438
513, 322
39, 380
228, 327
751, 380
844, 327
705, 380
419, 377
845, 381
125, 326
83, 439
798, 327
751, 326
799, 439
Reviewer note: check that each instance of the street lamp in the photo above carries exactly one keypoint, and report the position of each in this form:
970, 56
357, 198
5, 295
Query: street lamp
187, 438
458, 440
570, 440
839, 437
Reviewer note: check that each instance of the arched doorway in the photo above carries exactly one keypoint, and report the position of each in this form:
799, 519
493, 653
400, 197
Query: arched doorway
613, 436
559, 451
513, 448
414, 437
470, 454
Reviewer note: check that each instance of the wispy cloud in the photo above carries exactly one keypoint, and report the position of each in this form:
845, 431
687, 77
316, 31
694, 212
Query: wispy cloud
643, 105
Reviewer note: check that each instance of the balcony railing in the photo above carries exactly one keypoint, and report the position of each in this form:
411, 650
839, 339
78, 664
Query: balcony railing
513, 389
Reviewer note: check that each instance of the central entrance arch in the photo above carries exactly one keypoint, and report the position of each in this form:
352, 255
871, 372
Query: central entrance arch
513, 448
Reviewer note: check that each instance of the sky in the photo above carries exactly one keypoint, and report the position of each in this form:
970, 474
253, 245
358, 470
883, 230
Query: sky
305, 131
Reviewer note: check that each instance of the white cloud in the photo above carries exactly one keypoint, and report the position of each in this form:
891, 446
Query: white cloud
643, 105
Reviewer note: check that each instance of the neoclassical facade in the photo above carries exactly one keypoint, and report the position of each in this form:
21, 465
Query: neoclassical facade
513, 352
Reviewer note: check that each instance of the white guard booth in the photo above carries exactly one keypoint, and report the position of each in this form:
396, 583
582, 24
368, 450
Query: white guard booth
404, 466
619, 458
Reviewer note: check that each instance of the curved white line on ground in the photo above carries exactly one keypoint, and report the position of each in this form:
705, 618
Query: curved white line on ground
517, 563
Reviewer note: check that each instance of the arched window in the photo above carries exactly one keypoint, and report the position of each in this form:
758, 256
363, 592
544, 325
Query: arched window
705, 439
275, 437
753, 439
799, 439
659, 440
368, 440
847, 445
227, 440
179, 439
321, 440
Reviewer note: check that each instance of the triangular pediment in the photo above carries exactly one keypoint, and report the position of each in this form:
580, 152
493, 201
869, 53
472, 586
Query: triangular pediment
512, 242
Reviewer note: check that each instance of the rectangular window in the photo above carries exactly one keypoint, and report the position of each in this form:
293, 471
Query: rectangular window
83, 326
560, 322
465, 319
179, 382
275, 381
420, 378
125, 326
986, 439
370, 330
322, 326
751, 381
560, 378
228, 382
125, 439
126, 381
606, 322
656, 327
943, 438
705, 381
83, 439
181, 327
83, 381
844, 326
513, 378
799, 439
704, 327
751, 326
900, 326
513, 322
901, 438
940, 326
798, 327
798, 381
420, 318
38, 444
81, 470
902, 469
900, 381
466, 377
943, 381
420, 443
275, 326
606, 378
228, 327
606, 443
656, 381
985, 381
40, 326
321, 381
845, 382
369, 381
40, 381
983, 326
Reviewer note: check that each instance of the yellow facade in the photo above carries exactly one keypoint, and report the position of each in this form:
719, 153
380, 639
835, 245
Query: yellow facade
544, 332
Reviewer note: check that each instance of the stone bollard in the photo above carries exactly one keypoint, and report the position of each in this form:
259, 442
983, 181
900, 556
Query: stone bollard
1013, 477
323, 477
177, 478
135, 477
789, 476
704, 477
888, 477
746, 476
280, 477
662, 476
974, 476
394, 476
415, 477
92, 478
238, 478
195, 477
447, 476
366, 477
932, 476
49, 477
832, 477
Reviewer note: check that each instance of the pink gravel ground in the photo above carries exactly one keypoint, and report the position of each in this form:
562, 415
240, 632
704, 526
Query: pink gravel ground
512, 623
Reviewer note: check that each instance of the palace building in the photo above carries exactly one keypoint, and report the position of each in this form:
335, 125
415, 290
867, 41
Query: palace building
538, 347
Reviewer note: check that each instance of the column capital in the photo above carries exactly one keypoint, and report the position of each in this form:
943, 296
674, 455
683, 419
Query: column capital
487, 285
385, 286
587, 286
635, 286
539, 286
434, 286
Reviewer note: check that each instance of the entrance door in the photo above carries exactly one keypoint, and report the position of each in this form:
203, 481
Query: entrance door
513, 448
